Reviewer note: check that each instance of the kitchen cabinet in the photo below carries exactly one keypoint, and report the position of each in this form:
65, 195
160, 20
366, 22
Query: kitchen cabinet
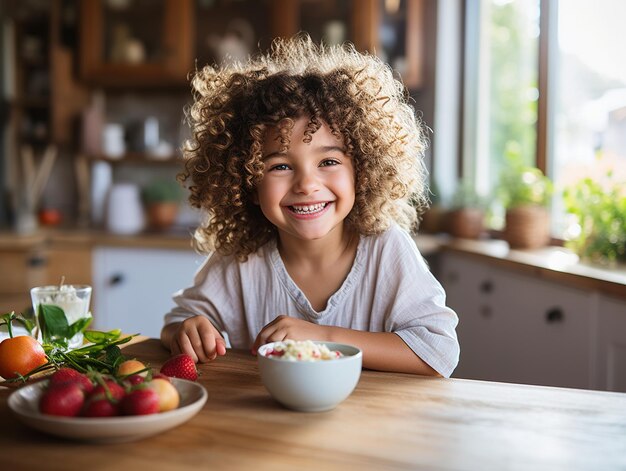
23, 266
136, 43
611, 352
141, 43
517, 328
393, 30
133, 287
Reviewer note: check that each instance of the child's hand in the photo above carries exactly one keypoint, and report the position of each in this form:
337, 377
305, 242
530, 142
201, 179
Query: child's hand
198, 338
285, 327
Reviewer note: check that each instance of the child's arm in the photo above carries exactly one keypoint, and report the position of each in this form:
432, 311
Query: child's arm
384, 351
196, 337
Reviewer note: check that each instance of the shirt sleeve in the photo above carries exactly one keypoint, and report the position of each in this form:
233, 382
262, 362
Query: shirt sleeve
419, 315
211, 295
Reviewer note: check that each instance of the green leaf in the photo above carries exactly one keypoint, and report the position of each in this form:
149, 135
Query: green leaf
96, 336
114, 355
79, 326
52, 322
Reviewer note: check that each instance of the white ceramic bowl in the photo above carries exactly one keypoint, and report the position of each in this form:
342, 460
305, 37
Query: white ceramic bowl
311, 386
25, 404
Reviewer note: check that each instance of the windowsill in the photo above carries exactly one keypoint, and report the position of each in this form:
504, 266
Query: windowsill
551, 263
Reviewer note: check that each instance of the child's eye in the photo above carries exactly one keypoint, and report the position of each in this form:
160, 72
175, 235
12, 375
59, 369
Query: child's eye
329, 163
279, 167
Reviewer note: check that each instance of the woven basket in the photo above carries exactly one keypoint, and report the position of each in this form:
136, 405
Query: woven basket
527, 227
466, 223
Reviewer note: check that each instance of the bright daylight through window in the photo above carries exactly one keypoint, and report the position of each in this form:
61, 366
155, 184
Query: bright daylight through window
582, 132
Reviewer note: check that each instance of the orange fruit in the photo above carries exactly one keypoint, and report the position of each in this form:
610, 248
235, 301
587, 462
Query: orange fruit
20, 355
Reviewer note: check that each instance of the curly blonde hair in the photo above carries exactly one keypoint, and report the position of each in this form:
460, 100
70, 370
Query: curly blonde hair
355, 94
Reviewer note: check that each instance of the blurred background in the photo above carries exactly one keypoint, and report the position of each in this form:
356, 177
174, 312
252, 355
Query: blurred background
525, 108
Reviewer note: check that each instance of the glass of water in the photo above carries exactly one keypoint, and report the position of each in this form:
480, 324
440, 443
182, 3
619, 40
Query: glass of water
73, 299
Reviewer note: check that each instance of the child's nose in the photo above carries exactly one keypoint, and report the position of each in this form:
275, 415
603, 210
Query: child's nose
306, 183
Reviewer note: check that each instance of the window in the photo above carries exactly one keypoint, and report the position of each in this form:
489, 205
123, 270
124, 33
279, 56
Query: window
581, 78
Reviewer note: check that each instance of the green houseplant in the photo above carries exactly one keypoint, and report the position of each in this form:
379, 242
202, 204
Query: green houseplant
162, 199
600, 211
466, 218
525, 194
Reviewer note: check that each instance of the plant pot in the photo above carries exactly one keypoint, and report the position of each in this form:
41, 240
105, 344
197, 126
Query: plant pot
161, 216
466, 223
527, 227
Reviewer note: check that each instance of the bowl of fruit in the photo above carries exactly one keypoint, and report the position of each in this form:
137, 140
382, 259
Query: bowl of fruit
309, 376
132, 404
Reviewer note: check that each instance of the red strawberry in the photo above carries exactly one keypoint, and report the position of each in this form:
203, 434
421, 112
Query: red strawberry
180, 366
65, 399
99, 406
134, 380
69, 375
142, 401
116, 392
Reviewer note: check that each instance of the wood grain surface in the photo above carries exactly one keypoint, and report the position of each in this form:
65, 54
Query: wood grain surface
391, 421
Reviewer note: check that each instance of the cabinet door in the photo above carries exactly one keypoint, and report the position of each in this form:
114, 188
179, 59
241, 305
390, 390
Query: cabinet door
549, 331
139, 42
133, 287
611, 353
469, 288
515, 328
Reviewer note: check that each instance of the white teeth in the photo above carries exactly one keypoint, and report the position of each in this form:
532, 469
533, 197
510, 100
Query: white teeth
308, 209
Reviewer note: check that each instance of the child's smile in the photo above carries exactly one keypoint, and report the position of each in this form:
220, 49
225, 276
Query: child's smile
309, 210
308, 190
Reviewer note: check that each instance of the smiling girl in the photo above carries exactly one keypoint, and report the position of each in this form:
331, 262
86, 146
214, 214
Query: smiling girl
309, 165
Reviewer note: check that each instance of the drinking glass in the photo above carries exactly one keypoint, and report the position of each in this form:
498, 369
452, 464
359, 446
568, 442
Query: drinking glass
73, 299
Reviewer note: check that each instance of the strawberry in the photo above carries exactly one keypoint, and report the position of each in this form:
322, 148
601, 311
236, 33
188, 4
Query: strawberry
134, 379
180, 366
141, 401
116, 392
99, 406
69, 375
65, 399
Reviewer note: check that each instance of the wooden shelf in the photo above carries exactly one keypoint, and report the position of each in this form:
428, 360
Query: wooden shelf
137, 158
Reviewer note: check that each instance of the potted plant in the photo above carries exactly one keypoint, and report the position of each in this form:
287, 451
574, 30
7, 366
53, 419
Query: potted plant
599, 208
525, 194
162, 199
466, 218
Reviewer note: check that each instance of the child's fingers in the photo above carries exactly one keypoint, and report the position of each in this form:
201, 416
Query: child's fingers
183, 345
220, 346
270, 333
211, 341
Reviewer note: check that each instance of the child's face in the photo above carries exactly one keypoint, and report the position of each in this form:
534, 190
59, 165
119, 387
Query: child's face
307, 191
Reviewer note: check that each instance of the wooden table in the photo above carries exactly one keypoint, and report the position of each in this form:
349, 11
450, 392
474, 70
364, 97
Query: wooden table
391, 421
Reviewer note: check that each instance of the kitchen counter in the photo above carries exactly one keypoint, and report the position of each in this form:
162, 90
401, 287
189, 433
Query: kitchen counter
391, 421
179, 239
554, 263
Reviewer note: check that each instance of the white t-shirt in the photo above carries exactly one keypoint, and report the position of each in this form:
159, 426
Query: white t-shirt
389, 289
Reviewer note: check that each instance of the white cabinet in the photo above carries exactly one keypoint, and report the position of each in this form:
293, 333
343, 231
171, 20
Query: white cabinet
133, 287
518, 328
611, 351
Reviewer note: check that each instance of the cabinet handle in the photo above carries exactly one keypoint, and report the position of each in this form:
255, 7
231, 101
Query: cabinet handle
116, 279
554, 315
486, 286
36, 261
